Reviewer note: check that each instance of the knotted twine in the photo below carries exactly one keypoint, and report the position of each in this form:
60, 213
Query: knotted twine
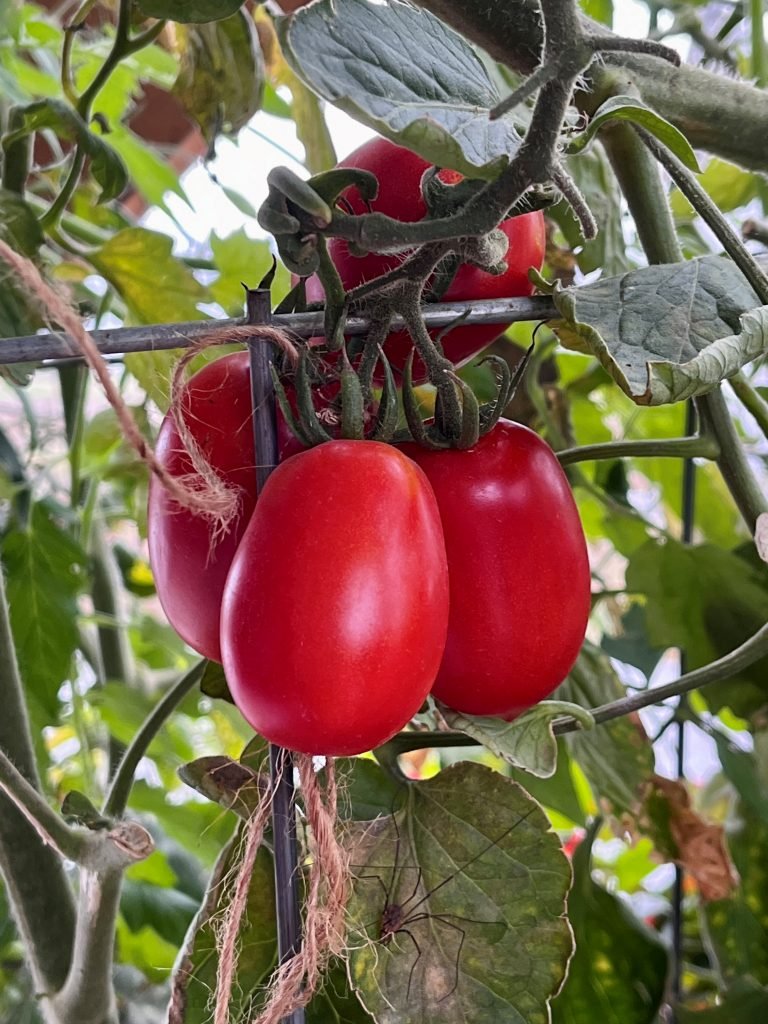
203, 492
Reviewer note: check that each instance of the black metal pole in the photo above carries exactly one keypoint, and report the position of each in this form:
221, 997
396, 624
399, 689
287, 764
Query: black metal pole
280, 761
161, 337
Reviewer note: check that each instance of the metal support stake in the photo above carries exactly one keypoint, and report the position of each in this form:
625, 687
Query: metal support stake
258, 312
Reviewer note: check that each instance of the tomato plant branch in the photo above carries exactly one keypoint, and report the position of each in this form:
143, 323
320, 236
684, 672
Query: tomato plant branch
122, 781
751, 399
32, 872
732, 664
702, 446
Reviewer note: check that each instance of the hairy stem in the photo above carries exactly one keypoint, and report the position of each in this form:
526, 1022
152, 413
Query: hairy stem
32, 872
752, 400
703, 447
120, 789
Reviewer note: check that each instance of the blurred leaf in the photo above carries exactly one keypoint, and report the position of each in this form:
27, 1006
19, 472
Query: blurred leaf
616, 757
200, 828
527, 742
43, 567
707, 601
146, 950
156, 287
632, 646
473, 857
189, 10
737, 928
629, 108
150, 175
19, 229
600, 10
226, 782
166, 910
744, 1007
239, 259
728, 186
194, 978
105, 164
221, 79
433, 100
667, 332
619, 969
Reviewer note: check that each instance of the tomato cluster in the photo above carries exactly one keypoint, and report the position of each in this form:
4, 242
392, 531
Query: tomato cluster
367, 575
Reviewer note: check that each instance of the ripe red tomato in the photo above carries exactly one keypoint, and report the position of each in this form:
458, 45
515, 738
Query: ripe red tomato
518, 568
399, 172
189, 568
335, 610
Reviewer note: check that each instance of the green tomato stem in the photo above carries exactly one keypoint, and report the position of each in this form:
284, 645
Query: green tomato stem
702, 447
122, 782
752, 401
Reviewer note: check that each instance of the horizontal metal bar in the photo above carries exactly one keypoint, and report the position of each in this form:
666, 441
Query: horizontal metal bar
37, 348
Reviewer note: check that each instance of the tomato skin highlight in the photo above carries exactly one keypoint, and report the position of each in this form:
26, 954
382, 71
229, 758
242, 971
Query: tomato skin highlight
399, 172
336, 607
188, 565
518, 567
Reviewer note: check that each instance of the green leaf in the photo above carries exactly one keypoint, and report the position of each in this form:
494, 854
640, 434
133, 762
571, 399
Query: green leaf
618, 972
166, 910
631, 646
666, 333
480, 881
186, 11
616, 757
221, 79
19, 226
156, 287
365, 791
152, 176
77, 809
43, 567
434, 100
106, 166
527, 742
195, 976
224, 781
737, 928
728, 186
707, 601
629, 108
600, 10
214, 682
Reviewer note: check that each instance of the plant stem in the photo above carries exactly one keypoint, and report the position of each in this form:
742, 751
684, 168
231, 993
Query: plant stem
49, 825
752, 400
710, 214
732, 664
701, 447
732, 461
120, 789
759, 69
32, 872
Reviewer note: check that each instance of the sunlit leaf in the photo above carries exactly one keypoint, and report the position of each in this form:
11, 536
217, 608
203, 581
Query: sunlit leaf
190, 10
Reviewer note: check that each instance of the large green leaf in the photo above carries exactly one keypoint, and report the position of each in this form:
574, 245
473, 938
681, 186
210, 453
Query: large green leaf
728, 186
221, 79
616, 757
190, 10
618, 972
44, 572
165, 909
707, 601
668, 332
106, 166
370, 60
478, 881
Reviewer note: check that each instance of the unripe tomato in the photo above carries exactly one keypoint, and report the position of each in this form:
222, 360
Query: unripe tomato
399, 172
189, 565
336, 607
518, 567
